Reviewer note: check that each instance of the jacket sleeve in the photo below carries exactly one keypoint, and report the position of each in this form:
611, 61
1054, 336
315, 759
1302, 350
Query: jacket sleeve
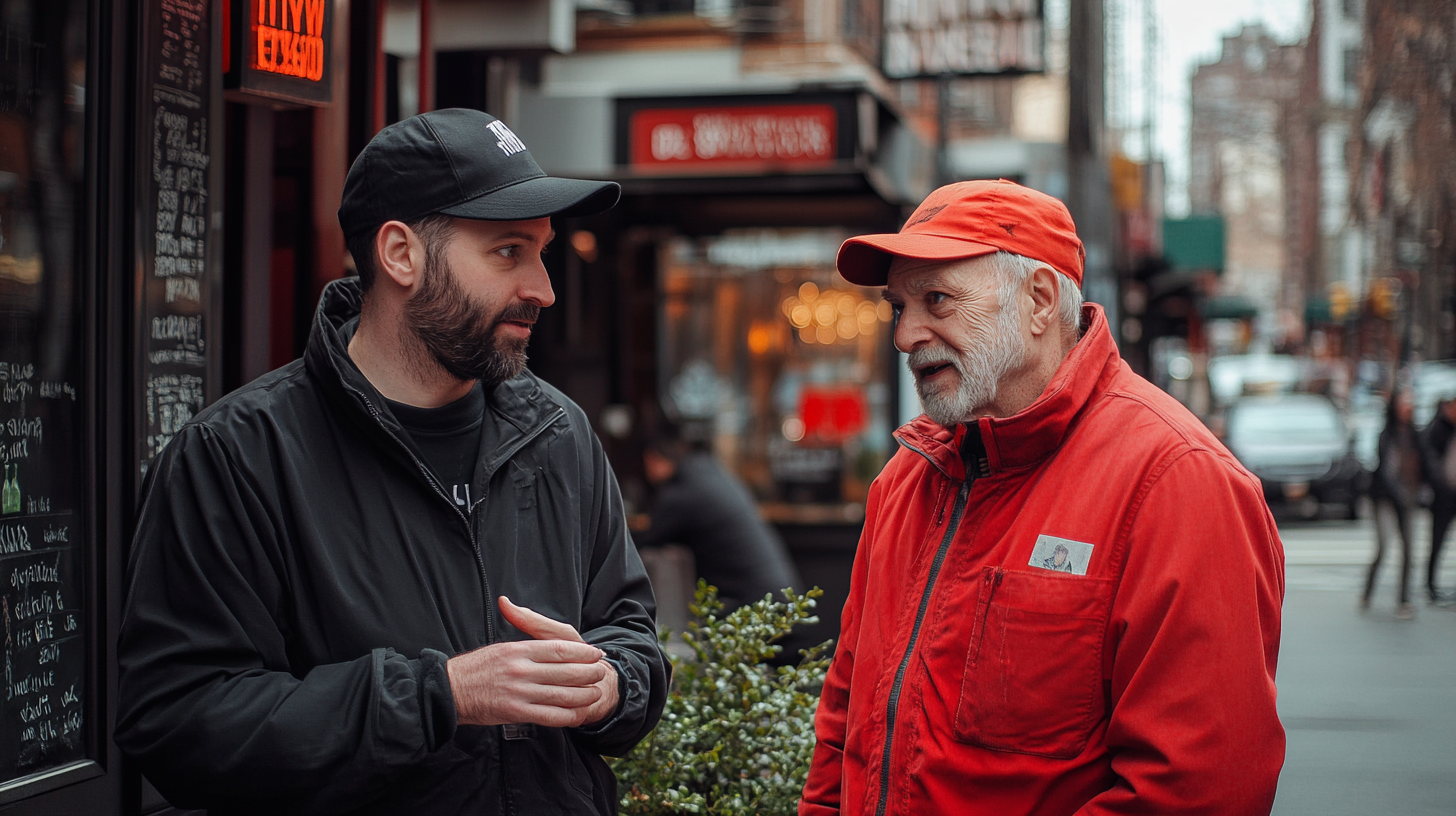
1193, 726
618, 616
821, 788
209, 705
1432, 443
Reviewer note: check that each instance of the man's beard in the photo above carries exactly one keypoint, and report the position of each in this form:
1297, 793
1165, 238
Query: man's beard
998, 351
460, 333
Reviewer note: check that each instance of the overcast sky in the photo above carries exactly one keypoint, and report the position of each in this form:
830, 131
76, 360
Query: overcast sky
1190, 32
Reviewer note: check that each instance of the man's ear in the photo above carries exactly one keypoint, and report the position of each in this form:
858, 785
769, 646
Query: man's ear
1045, 298
401, 253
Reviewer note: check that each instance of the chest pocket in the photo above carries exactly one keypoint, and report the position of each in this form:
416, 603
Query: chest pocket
1033, 675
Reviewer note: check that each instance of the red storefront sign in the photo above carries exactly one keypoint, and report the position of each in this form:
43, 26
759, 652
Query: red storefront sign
745, 138
833, 413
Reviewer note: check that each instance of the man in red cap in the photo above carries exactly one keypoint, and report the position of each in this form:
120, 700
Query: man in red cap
970, 676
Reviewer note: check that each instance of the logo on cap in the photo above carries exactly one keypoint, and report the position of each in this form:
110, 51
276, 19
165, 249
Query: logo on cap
927, 215
509, 143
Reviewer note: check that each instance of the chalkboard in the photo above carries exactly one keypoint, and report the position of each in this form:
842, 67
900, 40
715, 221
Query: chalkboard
47, 704
178, 242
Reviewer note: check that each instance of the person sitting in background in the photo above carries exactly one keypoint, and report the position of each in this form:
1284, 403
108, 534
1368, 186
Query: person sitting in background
1394, 490
1439, 457
704, 508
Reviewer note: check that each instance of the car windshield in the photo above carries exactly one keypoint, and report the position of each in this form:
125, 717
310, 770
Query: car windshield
1286, 423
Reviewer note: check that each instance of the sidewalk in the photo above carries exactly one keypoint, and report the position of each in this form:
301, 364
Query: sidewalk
1368, 701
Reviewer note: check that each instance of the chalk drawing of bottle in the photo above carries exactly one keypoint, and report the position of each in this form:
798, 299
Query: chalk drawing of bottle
10, 501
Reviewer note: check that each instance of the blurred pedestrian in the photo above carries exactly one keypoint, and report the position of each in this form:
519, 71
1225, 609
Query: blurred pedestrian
1395, 491
1438, 449
701, 506
1066, 598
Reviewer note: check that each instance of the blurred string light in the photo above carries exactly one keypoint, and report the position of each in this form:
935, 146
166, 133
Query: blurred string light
833, 315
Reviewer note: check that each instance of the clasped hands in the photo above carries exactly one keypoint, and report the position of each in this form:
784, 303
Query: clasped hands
557, 680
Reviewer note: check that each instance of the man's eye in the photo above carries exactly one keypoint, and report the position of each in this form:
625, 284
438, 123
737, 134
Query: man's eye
511, 251
897, 309
936, 297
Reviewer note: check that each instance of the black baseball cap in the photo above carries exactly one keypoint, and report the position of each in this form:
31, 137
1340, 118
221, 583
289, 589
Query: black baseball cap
463, 163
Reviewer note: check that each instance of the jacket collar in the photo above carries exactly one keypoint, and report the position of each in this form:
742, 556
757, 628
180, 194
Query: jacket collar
1026, 438
520, 402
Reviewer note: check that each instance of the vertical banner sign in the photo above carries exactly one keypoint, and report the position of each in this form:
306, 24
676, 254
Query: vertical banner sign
177, 245
45, 713
926, 38
279, 49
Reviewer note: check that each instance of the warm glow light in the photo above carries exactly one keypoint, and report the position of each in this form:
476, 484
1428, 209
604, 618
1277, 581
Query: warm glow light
806, 334
801, 316
885, 312
846, 304
788, 306
824, 334
847, 327
585, 244
808, 291
824, 314
793, 429
760, 338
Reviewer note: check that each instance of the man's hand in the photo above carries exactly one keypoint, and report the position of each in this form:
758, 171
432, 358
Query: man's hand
543, 628
556, 680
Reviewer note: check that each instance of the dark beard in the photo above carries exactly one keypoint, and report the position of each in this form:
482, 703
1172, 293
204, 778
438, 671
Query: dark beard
460, 333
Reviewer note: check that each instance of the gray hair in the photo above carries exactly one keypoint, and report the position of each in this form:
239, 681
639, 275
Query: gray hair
1015, 269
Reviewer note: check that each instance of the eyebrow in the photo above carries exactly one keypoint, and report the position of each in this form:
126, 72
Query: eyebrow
526, 236
918, 285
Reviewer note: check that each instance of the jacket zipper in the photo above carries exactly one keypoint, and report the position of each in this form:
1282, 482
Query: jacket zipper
955, 520
440, 491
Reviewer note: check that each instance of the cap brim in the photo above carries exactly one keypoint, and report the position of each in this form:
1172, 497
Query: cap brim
540, 198
865, 260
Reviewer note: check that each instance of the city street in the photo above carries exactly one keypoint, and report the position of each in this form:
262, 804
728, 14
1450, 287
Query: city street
1368, 700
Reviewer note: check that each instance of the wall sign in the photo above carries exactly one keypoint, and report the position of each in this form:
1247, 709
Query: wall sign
279, 49
177, 236
926, 39
733, 138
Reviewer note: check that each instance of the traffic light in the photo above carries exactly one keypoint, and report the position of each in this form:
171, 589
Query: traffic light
1341, 303
1383, 292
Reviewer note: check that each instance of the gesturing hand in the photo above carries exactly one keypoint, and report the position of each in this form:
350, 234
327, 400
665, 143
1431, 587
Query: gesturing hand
545, 629
556, 680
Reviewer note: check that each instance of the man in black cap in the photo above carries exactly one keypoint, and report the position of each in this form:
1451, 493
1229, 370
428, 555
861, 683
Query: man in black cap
320, 612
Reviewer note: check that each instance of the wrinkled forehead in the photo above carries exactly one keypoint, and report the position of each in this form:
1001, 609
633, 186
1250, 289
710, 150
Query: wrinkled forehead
912, 276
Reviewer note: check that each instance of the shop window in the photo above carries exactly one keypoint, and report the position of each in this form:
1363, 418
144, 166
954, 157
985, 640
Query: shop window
48, 714
778, 363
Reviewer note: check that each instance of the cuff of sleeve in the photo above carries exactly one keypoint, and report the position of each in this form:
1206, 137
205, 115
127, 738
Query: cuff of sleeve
626, 687
437, 702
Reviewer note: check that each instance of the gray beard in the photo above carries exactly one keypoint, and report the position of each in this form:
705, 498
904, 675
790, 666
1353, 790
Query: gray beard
979, 369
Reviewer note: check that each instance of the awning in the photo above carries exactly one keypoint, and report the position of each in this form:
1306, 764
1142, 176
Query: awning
1229, 307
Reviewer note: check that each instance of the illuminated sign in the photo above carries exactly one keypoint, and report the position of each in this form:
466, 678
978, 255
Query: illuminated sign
733, 138
279, 49
925, 39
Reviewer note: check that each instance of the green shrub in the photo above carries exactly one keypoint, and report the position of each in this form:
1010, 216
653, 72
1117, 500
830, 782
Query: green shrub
736, 736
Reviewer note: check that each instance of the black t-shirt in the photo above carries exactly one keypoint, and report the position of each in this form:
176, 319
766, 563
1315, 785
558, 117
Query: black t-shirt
449, 437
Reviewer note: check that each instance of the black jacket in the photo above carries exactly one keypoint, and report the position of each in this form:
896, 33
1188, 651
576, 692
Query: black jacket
705, 509
1434, 441
298, 580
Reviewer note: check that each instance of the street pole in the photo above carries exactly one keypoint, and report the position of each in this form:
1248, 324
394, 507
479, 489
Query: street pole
943, 173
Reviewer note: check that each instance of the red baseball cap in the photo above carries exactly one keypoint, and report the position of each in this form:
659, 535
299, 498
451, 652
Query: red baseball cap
969, 219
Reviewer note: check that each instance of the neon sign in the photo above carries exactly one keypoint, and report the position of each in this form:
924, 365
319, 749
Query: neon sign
279, 49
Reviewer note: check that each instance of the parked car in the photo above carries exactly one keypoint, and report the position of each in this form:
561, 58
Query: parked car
1300, 449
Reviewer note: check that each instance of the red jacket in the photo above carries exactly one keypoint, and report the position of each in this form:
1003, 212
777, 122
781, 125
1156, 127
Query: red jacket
975, 675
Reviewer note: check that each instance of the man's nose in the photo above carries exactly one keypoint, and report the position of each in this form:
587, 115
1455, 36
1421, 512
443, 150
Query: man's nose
536, 286
910, 331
